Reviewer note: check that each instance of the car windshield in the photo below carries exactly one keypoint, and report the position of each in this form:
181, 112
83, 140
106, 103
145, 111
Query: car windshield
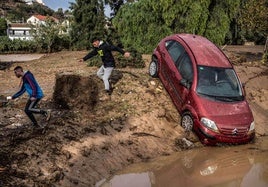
219, 83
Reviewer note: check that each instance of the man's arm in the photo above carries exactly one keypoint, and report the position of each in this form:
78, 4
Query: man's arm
19, 93
115, 48
89, 55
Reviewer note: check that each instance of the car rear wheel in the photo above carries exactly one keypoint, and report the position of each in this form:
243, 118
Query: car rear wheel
187, 121
153, 68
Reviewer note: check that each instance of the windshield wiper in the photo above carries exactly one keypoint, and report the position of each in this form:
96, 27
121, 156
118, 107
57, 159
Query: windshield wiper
224, 98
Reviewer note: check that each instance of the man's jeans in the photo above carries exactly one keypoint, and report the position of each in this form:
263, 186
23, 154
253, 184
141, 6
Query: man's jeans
104, 74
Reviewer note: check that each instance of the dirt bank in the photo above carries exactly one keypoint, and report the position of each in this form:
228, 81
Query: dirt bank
82, 146
20, 57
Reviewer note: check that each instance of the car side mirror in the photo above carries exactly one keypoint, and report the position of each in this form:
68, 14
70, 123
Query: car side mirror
185, 83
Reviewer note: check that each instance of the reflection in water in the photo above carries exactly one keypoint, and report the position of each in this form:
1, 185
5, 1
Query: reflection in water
130, 180
256, 176
236, 166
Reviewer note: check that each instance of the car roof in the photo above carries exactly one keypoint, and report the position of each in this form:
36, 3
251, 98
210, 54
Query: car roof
205, 52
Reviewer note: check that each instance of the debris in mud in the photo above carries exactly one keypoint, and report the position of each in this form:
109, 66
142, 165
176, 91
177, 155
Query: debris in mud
184, 143
3, 101
75, 92
5, 65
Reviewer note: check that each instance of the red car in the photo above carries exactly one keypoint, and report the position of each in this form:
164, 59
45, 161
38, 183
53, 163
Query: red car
205, 89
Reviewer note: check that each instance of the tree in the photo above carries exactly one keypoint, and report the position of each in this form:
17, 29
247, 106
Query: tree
59, 14
140, 26
253, 20
221, 15
46, 34
88, 22
145, 22
3, 27
116, 4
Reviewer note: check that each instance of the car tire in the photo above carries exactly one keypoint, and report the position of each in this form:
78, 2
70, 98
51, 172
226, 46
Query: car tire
153, 68
187, 121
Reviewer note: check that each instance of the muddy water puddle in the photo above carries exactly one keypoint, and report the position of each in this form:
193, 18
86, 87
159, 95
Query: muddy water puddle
230, 166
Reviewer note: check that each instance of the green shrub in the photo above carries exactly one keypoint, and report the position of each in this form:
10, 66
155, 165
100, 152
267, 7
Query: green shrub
16, 46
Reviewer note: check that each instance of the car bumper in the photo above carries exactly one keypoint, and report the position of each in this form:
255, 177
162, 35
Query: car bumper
209, 137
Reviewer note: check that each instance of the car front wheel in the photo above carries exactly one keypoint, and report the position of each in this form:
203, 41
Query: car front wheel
187, 121
153, 68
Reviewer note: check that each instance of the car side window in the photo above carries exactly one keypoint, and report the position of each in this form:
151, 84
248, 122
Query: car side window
185, 68
174, 49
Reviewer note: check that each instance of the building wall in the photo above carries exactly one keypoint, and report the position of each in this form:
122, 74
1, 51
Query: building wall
19, 32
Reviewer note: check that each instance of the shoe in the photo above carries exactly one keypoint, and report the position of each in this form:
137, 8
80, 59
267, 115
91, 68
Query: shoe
48, 115
37, 126
34, 125
110, 84
110, 91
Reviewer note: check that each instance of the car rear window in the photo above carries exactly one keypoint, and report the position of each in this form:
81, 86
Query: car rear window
174, 49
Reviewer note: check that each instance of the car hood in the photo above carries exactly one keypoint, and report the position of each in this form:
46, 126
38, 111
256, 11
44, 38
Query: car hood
227, 114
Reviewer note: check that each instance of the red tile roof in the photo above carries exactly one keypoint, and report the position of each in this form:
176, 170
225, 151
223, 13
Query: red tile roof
43, 18
40, 17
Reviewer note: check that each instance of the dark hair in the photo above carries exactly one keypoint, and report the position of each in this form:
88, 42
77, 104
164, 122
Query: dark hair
18, 67
94, 39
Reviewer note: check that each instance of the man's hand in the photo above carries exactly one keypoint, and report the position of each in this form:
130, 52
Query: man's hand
80, 60
127, 54
9, 98
32, 98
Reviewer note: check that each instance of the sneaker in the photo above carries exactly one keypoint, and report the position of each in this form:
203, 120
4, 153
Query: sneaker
110, 84
48, 115
37, 126
109, 92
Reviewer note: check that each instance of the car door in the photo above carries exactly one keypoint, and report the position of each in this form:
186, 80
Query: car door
166, 65
175, 53
184, 68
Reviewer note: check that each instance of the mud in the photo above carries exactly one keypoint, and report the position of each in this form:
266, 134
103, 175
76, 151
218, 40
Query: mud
89, 139
244, 165
75, 92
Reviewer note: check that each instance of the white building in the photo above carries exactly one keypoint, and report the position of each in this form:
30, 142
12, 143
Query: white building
30, 2
40, 2
22, 30
19, 31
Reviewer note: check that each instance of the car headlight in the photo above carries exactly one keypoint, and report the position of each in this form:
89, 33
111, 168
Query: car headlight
252, 126
209, 124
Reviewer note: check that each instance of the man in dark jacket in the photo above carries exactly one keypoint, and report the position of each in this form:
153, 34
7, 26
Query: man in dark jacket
104, 50
30, 85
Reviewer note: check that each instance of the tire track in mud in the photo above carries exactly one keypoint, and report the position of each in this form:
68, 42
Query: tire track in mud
258, 75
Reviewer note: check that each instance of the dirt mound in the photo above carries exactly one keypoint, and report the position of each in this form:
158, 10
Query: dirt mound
76, 92
3, 101
5, 65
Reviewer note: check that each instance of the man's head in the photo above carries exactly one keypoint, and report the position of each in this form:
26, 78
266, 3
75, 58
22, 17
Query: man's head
95, 42
18, 71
